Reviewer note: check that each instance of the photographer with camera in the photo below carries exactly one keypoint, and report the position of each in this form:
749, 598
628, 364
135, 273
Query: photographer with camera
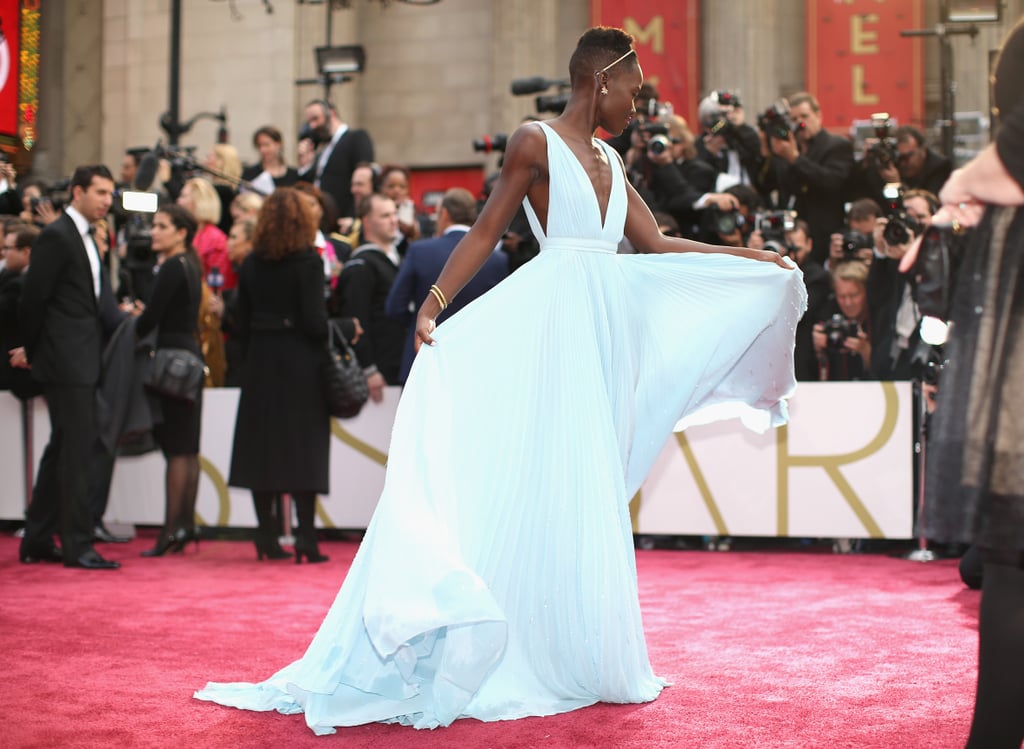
808, 166
895, 317
841, 336
910, 161
682, 185
858, 237
733, 226
798, 245
728, 145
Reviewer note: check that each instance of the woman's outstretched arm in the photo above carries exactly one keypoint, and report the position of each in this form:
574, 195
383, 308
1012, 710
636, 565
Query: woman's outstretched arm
525, 158
642, 231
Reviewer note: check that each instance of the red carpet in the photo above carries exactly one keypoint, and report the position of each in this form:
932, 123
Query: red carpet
763, 649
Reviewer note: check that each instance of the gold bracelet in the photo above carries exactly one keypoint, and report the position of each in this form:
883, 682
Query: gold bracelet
444, 299
438, 297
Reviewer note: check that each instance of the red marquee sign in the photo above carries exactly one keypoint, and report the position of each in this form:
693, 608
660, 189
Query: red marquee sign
10, 37
667, 43
858, 64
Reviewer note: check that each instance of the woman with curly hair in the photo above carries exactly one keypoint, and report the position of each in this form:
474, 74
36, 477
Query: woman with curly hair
282, 430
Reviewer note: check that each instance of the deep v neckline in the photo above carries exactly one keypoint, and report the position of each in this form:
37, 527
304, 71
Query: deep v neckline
603, 220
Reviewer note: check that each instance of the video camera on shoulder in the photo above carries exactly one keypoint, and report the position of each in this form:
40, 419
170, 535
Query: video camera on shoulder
774, 226
837, 329
775, 122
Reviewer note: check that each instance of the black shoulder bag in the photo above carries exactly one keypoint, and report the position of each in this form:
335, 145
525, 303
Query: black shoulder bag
345, 384
176, 372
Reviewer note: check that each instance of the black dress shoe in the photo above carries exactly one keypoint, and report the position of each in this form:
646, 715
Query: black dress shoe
102, 533
91, 560
34, 555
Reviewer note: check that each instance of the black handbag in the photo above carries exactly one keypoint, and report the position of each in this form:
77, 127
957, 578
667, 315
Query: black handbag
175, 373
345, 384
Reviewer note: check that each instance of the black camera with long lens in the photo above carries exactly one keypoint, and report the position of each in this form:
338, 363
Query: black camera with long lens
901, 227
837, 329
658, 144
775, 121
726, 222
854, 242
491, 143
774, 226
554, 103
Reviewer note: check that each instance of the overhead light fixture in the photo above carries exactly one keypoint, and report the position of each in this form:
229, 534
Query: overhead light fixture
972, 11
340, 60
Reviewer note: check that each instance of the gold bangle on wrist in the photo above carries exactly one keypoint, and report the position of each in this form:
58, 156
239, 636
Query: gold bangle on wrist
439, 296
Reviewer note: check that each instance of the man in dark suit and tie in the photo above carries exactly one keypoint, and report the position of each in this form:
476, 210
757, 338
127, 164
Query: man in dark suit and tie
60, 316
811, 170
342, 148
424, 261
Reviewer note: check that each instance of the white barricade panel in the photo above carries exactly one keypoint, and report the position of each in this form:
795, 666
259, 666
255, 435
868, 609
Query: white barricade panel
841, 468
12, 459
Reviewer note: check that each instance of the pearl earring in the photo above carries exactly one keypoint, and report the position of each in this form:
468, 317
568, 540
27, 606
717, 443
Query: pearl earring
604, 90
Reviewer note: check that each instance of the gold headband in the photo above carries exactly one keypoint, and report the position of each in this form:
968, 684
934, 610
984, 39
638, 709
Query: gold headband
615, 62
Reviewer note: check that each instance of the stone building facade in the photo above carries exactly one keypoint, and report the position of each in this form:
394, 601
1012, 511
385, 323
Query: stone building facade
437, 76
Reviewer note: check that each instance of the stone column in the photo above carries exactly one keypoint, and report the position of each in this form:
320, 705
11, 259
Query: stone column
753, 47
82, 84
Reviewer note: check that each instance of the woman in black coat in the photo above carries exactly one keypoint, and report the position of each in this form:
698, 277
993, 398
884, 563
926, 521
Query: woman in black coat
173, 309
282, 432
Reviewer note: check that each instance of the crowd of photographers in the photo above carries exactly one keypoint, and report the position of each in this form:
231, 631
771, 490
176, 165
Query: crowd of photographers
790, 185
786, 184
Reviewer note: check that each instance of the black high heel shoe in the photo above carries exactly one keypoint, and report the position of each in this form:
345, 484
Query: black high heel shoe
270, 548
168, 542
311, 552
184, 535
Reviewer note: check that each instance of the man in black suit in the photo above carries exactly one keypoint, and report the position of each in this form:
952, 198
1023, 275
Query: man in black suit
423, 263
363, 288
341, 149
62, 330
810, 169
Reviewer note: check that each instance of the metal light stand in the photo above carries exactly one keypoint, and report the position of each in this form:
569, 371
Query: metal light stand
922, 553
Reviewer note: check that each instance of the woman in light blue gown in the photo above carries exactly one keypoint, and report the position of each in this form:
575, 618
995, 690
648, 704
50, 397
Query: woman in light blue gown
497, 578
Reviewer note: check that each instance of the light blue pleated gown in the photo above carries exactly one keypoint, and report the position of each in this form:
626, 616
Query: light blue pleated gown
497, 578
